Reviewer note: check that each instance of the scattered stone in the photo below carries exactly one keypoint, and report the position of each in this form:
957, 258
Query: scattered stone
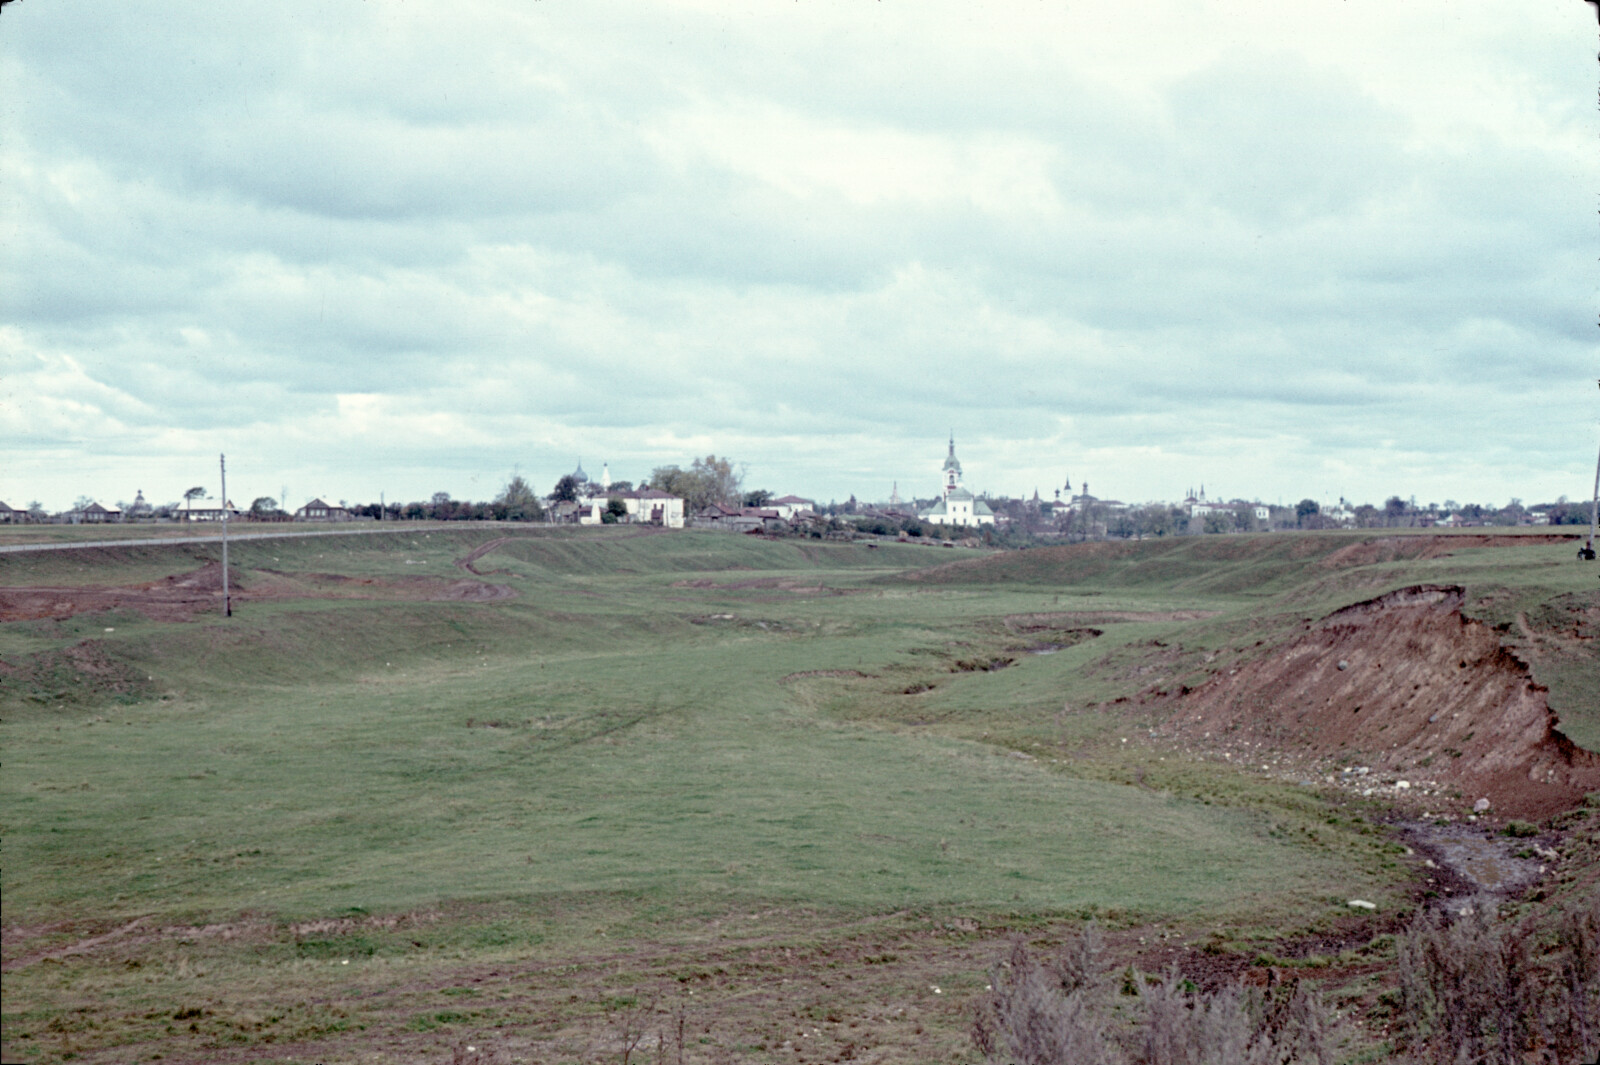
1343, 664
1362, 904
1480, 806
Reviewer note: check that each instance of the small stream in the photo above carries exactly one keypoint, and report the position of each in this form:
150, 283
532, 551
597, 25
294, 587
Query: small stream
1489, 863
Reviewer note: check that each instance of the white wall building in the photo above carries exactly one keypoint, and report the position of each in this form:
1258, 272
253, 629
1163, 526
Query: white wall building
958, 506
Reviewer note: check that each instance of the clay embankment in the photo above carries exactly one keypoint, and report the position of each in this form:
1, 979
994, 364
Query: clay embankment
1409, 687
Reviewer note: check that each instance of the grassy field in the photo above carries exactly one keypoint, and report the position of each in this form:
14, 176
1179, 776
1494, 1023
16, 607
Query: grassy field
746, 761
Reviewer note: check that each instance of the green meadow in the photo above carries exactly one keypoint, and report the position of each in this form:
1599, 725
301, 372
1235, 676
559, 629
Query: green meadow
655, 733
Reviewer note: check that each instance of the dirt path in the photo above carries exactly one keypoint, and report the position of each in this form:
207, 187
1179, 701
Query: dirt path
477, 553
165, 541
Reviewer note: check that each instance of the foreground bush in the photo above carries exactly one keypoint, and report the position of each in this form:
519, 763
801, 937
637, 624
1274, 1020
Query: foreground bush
1476, 990
1069, 1011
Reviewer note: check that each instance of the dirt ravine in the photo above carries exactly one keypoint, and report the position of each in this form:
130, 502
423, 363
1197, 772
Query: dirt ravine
1408, 687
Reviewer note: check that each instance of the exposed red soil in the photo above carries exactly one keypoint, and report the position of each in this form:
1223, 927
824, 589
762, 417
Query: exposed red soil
1408, 686
181, 596
82, 671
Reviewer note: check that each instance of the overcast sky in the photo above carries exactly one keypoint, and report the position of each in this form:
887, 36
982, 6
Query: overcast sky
1336, 247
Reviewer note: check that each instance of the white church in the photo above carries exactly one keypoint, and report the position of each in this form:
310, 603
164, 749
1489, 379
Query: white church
958, 506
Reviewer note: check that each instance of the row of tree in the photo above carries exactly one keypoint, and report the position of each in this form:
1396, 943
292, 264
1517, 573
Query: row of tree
706, 481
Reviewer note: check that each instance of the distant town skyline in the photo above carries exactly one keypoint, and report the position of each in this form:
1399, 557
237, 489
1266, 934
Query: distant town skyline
1276, 249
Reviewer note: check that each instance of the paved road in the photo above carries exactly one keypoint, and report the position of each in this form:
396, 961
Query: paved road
377, 527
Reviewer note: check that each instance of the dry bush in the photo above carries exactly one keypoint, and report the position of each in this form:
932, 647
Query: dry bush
1578, 994
1475, 990
1048, 1014
637, 1025
1067, 1010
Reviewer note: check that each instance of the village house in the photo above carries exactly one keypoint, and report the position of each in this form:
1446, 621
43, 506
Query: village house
789, 506
10, 515
651, 506
95, 514
210, 513
317, 510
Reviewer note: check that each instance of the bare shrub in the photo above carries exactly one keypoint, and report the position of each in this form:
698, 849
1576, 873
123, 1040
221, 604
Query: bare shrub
1233, 1025
1066, 1010
1047, 1015
1474, 990
634, 1022
1579, 986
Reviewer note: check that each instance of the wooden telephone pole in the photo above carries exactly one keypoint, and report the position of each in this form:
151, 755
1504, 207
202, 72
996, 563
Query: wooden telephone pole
227, 603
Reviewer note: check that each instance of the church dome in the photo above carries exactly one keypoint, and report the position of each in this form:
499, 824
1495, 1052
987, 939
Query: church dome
578, 474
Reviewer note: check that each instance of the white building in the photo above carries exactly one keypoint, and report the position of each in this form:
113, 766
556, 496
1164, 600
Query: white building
789, 506
650, 506
958, 506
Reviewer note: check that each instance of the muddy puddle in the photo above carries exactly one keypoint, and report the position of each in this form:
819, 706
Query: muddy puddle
1485, 862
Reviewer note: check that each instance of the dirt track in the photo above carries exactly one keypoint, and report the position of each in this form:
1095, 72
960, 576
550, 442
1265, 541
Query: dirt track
182, 596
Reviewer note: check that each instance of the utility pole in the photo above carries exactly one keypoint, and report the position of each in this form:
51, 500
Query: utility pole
1594, 513
1587, 554
227, 603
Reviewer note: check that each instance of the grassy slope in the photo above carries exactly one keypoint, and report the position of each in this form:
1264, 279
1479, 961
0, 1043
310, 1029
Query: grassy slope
605, 740
634, 745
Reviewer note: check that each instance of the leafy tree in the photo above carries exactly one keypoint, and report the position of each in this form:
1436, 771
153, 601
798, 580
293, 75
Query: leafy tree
441, 499
1304, 509
82, 503
197, 492
760, 497
517, 501
566, 489
616, 510
1394, 510
706, 481
621, 486
36, 509
262, 506
1156, 520
1218, 521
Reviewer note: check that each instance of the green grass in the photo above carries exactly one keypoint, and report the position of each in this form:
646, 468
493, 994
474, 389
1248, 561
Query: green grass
656, 732
614, 758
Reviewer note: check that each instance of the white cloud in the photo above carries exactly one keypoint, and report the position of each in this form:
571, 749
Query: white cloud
410, 247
